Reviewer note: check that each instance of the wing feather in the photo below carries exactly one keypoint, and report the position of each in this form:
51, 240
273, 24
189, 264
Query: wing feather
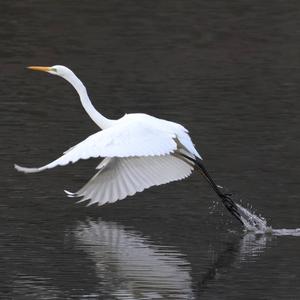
121, 177
125, 139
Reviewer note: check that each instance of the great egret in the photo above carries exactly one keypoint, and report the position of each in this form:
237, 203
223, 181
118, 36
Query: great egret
139, 151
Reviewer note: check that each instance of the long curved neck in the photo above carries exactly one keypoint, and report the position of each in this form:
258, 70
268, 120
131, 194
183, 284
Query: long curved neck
98, 118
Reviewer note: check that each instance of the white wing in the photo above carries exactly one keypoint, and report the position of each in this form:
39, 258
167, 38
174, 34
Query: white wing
125, 139
121, 177
187, 143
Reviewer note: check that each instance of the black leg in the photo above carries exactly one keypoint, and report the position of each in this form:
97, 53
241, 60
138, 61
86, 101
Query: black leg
226, 198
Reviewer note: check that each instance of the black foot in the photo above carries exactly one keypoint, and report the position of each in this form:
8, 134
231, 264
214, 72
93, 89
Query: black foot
231, 206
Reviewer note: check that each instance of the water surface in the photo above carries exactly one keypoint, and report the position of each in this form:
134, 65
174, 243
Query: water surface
227, 71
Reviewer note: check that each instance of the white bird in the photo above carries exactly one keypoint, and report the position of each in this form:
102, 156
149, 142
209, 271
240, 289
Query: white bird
139, 151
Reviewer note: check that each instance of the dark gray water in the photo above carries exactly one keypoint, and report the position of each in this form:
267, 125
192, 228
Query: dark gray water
229, 71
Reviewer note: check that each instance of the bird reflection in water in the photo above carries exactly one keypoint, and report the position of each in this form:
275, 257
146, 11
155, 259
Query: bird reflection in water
131, 266
237, 251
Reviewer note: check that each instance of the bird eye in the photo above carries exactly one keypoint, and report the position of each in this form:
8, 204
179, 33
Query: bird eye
54, 70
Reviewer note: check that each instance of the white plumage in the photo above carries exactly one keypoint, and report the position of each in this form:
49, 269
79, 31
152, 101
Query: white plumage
122, 177
139, 151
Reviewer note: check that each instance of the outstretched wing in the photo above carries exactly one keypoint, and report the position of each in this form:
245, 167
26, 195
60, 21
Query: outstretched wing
122, 177
125, 139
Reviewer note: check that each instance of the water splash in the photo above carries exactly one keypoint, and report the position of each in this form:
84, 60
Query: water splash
258, 224
252, 222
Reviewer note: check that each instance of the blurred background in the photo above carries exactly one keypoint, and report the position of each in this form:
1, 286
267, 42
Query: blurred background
227, 71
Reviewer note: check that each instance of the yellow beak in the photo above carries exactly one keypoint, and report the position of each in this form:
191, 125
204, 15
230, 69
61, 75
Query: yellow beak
37, 68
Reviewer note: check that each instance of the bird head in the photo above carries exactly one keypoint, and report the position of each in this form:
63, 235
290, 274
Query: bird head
58, 70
